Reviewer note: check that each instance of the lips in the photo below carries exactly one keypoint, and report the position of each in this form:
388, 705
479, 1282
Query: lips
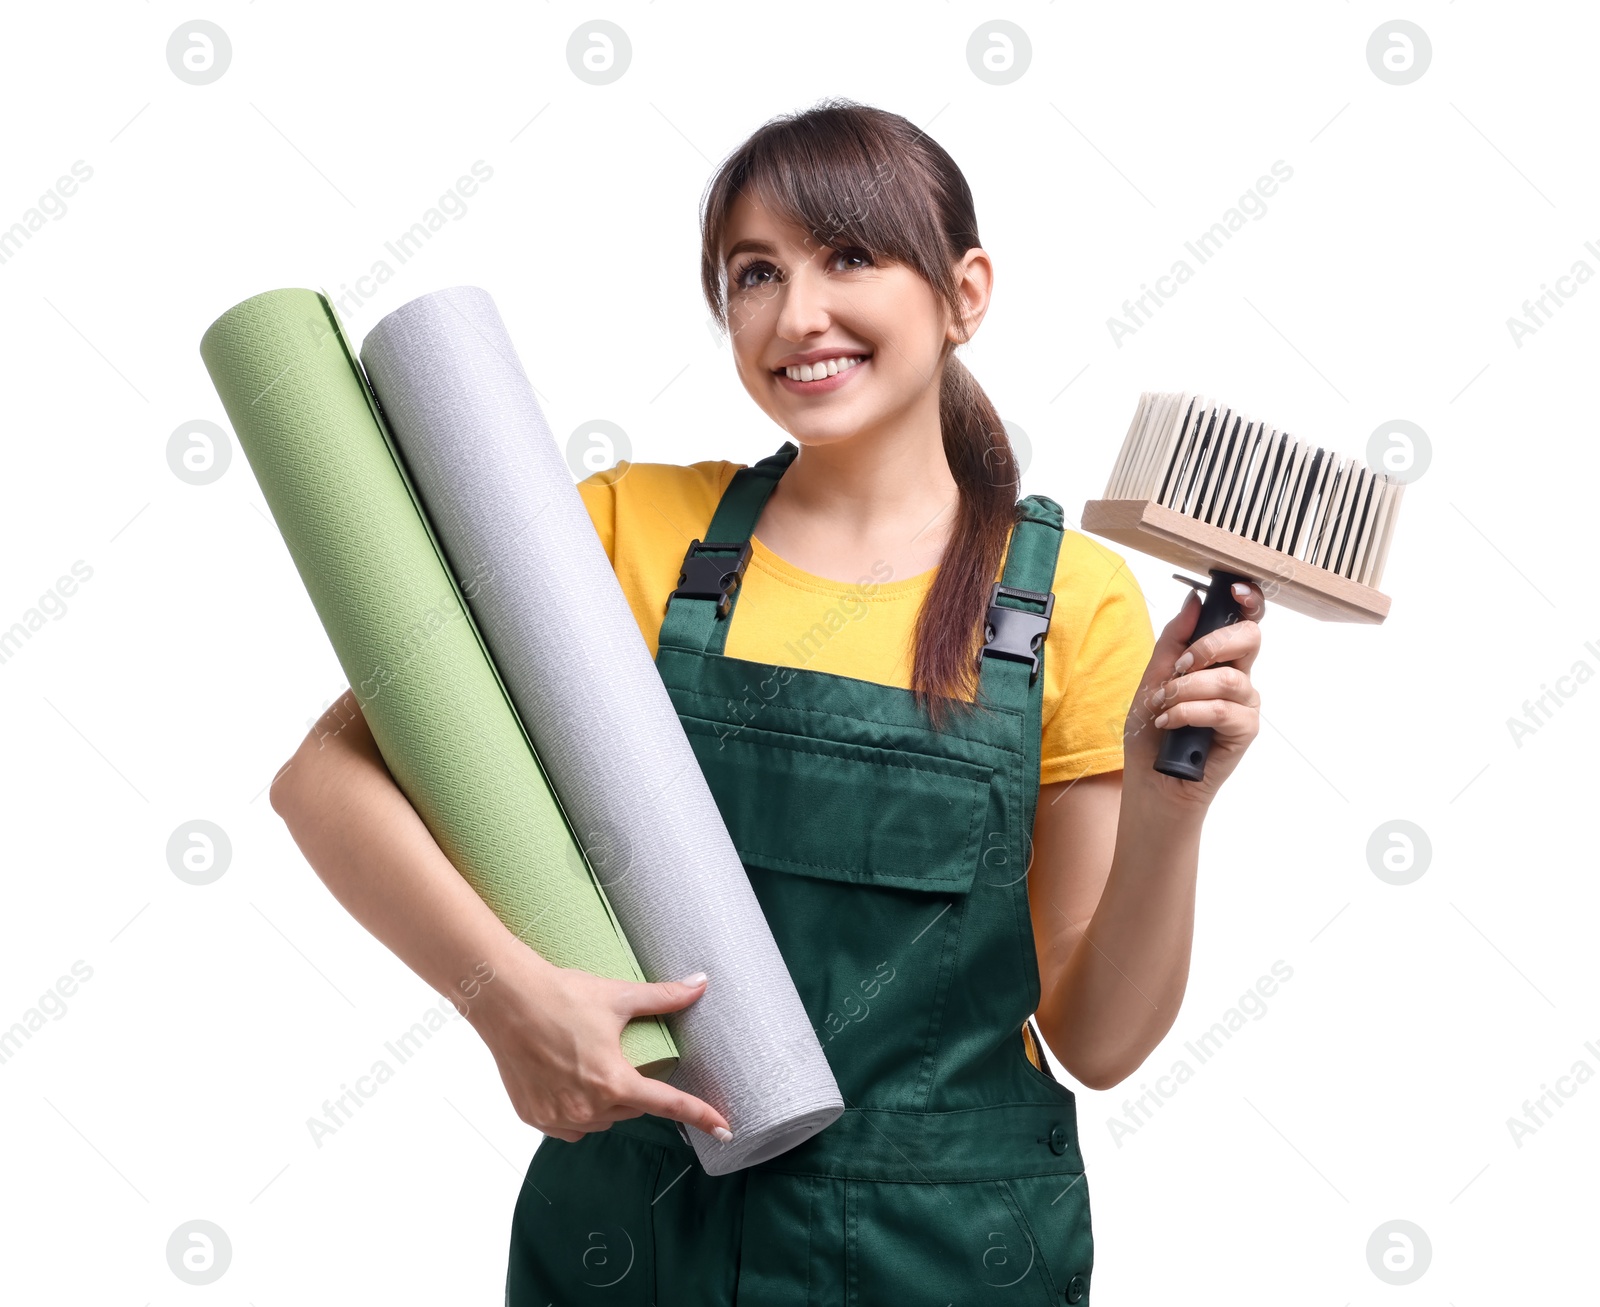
835, 360
822, 385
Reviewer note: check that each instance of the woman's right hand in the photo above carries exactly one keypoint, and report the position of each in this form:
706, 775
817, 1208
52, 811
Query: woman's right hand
555, 1033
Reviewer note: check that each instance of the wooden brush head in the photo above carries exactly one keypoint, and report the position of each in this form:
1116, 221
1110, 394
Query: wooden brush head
1202, 485
1162, 532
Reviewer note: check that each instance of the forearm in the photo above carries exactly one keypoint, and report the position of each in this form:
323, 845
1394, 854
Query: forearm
1117, 994
365, 841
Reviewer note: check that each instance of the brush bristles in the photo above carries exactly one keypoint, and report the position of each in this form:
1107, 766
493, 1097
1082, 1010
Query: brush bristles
1200, 457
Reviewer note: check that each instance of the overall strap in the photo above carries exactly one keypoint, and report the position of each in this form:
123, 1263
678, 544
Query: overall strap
1020, 606
699, 610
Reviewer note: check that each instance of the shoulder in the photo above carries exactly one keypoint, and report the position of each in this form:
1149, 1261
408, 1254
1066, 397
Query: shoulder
1100, 623
1088, 575
1086, 568
645, 515
1098, 646
710, 472
651, 505
689, 483
1098, 595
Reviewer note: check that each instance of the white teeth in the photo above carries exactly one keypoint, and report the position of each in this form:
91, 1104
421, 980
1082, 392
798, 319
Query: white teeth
826, 368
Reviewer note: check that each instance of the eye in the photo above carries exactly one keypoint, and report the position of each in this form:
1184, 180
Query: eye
758, 272
759, 266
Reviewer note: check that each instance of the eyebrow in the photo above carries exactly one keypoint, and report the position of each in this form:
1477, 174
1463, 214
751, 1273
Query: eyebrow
755, 247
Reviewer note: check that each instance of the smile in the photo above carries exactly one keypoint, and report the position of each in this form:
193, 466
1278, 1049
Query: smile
821, 376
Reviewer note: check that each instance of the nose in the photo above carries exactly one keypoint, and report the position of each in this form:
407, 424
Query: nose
803, 309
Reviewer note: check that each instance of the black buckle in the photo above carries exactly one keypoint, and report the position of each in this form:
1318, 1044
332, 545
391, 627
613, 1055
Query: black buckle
711, 578
1014, 633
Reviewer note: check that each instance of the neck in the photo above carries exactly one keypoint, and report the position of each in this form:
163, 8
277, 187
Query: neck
879, 493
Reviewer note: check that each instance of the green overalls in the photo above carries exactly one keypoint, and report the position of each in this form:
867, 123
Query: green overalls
890, 861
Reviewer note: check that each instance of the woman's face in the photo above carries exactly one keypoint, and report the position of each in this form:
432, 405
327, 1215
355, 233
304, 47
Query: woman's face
869, 336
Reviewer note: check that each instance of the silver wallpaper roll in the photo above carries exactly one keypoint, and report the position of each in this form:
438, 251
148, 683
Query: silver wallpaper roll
502, 502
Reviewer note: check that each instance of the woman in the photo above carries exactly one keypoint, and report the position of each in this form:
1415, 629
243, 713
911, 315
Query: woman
1025, 872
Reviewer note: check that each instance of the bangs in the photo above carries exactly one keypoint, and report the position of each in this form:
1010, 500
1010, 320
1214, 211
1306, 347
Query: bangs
845, 186
838, 195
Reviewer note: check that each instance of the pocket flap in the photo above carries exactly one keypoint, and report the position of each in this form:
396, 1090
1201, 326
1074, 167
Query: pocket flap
845, 811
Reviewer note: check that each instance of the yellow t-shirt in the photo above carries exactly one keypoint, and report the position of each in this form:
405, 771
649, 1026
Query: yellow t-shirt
1096, 649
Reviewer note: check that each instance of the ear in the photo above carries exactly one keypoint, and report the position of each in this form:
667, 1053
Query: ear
974, 277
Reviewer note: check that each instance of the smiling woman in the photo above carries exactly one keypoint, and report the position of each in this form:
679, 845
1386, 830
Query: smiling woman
848, 242
927, 796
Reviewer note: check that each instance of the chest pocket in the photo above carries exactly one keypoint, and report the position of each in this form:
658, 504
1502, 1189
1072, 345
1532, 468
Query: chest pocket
846, 811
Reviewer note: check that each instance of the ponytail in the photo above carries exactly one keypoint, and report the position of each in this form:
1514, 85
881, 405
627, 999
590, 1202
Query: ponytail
950, 627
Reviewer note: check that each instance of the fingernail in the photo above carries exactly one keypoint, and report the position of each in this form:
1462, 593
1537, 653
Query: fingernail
723, 1133
699, 978
1161, 720
1183, 664
1241, 590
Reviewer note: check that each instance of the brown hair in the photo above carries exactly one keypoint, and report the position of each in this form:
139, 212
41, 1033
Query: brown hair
855, 176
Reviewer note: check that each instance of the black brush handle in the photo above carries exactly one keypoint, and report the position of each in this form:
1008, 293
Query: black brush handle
1184, 749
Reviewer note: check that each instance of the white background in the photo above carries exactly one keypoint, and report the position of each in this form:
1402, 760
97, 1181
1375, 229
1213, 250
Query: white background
1377, 1084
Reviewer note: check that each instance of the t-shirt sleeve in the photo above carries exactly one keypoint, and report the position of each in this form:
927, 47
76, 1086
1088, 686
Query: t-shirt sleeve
1106, 646
645, 514
599, 494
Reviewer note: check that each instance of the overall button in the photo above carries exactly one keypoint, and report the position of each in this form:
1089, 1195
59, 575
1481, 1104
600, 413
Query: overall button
1058, 1142
1075, 1288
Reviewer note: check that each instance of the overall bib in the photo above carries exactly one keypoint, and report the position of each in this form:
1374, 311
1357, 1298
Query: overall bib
890, 861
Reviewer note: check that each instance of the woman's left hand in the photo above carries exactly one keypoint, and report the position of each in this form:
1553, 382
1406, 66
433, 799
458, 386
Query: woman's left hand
1200, 693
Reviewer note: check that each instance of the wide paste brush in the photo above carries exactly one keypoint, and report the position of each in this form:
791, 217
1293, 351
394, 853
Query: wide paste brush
1203, 485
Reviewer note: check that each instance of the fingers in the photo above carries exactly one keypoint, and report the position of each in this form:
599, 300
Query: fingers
1251, 600
1227, 684
1174, 637
641, 1094
663, 1100
1221, 698
620, 1095
1237, 643
1235, 720
1170, 643
661, 996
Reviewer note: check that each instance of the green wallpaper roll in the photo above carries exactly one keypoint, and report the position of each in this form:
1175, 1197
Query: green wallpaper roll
304, 416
